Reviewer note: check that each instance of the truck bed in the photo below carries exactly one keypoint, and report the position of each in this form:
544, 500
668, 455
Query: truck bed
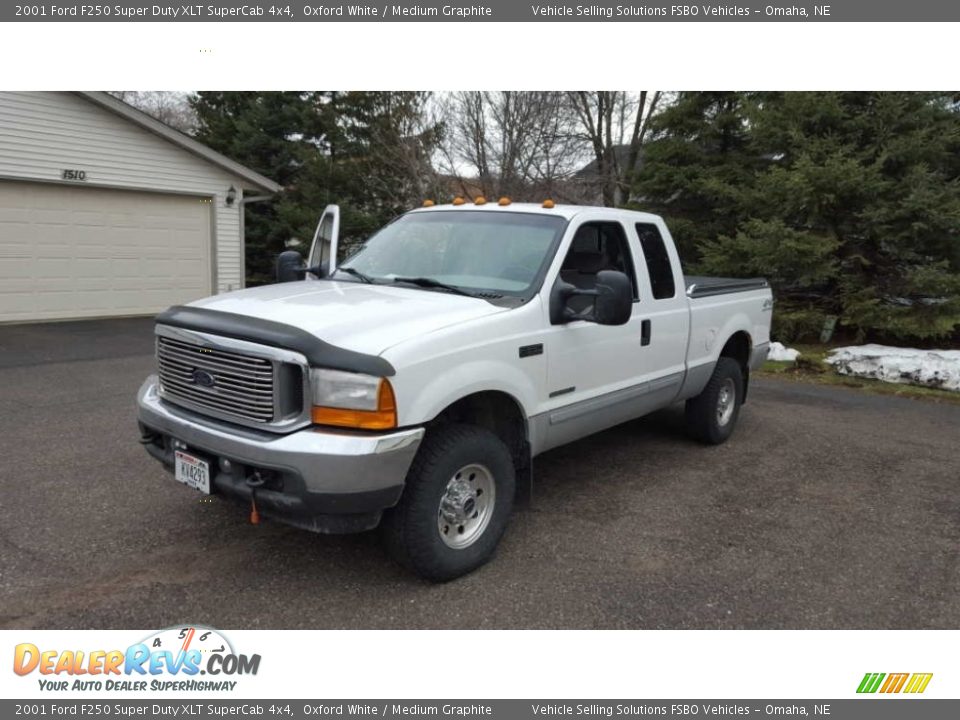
699, 286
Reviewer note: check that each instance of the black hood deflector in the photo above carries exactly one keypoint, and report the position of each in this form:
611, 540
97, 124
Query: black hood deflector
274, 334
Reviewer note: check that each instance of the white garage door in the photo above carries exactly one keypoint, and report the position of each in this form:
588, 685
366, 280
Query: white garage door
75, 252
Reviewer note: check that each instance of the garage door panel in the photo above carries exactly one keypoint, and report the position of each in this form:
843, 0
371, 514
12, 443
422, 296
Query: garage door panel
49, 268
59, 251
53, 217
129, 301
88, 219
13, 215
68, 252
130, 268
16, 302
79, 235
159, 268
21, 284
54, 301
93, 268
12, 235
132, 240
121, 223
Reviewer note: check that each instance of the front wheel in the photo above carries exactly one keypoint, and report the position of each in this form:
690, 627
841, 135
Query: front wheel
456, 503
712, 415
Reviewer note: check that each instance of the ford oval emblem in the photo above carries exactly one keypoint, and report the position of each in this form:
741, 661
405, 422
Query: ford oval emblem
203, 378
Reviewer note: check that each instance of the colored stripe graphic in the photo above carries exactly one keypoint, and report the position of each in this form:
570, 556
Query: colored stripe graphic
918, 682
870, 682
895, 683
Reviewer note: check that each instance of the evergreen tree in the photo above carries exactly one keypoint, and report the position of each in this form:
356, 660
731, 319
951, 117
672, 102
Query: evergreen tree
696, 166
375, 163
848, 202
273, 133
368, 152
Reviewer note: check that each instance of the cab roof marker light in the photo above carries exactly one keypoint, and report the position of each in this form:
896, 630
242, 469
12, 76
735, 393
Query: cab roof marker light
503, 202
480, 200
428, 203
459, 200
549, 204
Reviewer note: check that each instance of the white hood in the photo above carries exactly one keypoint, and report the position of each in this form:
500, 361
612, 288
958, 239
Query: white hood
365, 318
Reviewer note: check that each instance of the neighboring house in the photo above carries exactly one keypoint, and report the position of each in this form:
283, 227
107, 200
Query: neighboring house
586, 183
106, 212
590, 171
563, 190
584, 187
467, 188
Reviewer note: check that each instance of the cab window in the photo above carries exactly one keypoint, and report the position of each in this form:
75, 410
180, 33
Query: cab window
598, 246
658, 261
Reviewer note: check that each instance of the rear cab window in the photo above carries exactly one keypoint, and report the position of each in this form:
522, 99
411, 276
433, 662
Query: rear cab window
659, 267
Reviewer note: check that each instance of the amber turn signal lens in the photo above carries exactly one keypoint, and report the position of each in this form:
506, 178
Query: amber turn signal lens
383, 418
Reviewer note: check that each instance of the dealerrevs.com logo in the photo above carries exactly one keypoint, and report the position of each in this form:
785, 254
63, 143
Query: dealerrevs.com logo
172, 659
911, 683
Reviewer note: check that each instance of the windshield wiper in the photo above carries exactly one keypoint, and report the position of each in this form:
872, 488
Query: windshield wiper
362, 277
427, 282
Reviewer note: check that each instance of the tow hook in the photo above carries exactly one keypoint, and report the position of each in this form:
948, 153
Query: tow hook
254, 481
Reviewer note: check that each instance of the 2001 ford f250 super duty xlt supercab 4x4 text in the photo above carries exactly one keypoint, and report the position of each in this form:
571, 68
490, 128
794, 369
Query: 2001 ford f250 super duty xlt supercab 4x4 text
412, 385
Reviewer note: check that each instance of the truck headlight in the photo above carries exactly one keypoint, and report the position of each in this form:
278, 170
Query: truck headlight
353, 400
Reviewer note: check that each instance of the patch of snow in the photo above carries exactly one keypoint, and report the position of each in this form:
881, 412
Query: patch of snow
932, 368
780, 353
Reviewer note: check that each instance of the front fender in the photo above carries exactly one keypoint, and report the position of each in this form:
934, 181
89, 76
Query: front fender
431, 394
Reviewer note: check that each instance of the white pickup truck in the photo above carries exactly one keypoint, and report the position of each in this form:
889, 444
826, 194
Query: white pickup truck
412, 386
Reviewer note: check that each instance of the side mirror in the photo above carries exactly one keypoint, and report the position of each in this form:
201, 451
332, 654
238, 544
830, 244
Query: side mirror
612, 305
290, 266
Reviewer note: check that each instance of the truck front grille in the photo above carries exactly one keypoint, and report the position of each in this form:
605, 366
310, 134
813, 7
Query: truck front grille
216, 382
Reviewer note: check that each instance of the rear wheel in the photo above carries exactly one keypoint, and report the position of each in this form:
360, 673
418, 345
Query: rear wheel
456, 503
712, 415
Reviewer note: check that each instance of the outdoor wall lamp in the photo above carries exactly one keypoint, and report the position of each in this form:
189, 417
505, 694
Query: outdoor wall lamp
231, 196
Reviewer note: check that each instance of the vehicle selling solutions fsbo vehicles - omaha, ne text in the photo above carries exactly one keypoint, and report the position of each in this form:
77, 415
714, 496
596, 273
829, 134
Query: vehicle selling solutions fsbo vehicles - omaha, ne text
412, 385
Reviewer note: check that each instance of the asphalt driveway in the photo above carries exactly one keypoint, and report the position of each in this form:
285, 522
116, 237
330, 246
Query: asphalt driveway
827, 509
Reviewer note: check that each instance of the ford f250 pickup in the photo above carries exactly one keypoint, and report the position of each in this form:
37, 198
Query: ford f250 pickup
412, 385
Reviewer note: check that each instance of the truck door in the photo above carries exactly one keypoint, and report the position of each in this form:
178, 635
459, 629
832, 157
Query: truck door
664, 305
601, 375
323, 249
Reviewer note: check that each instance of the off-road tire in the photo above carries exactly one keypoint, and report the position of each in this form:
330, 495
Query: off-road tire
410, 530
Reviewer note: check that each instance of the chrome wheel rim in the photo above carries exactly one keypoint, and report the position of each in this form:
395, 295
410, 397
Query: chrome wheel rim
726, 401
466, 506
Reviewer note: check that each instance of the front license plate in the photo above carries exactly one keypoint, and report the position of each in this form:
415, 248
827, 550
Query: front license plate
192, 471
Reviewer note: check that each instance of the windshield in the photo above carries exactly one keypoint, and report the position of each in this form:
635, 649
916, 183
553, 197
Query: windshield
475, 250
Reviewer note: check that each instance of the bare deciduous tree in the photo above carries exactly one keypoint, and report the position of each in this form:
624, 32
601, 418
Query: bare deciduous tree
403, 129
534, 143
171, 108
509, 143
606, 120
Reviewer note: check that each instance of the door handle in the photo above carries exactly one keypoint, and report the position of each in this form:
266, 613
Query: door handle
645, 332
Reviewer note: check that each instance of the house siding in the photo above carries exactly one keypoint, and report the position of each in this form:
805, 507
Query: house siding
43, 133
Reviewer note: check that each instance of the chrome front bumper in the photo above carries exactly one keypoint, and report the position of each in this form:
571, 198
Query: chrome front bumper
312, 474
